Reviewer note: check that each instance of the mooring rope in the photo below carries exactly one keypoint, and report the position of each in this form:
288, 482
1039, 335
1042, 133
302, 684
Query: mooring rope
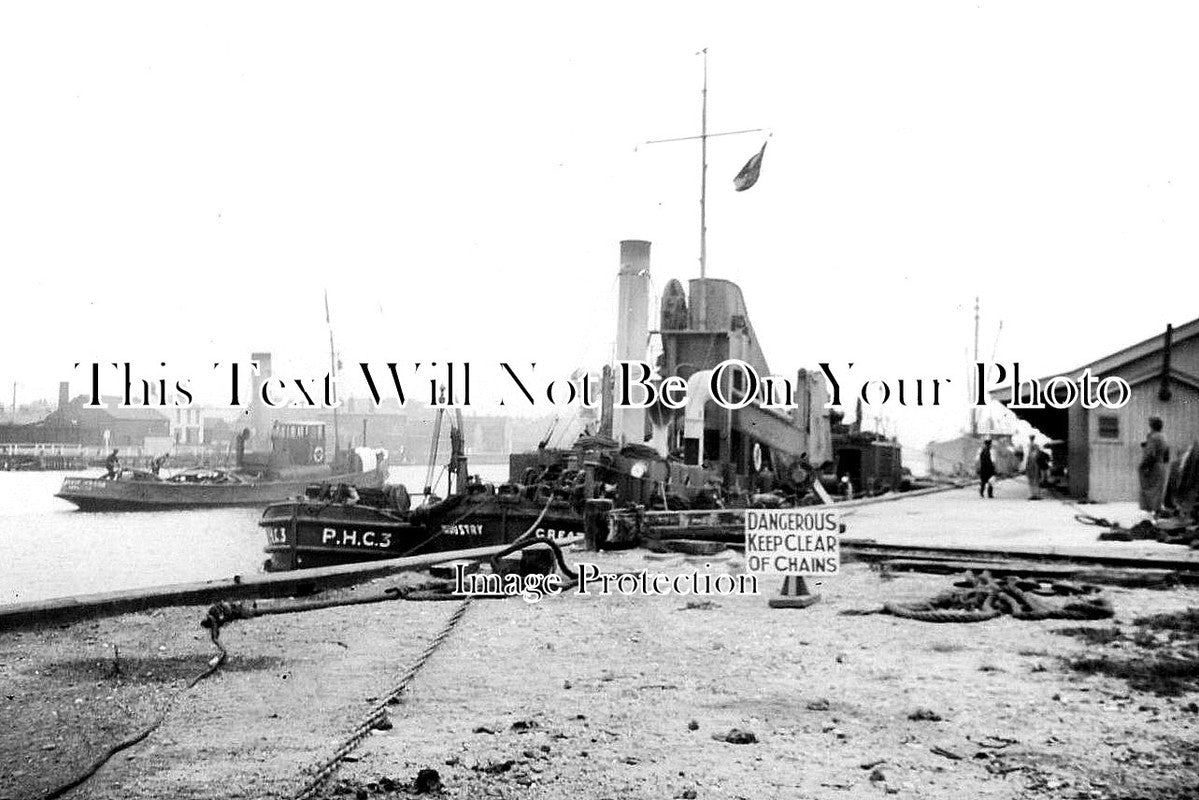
213, 665
378, 713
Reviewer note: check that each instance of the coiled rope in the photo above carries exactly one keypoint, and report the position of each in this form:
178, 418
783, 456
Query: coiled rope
982, 597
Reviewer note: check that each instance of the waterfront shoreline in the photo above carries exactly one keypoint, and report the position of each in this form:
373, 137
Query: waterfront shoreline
610, 685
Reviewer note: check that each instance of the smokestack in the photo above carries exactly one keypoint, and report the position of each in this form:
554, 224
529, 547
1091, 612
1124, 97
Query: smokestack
632, 330
64, 394
260, 423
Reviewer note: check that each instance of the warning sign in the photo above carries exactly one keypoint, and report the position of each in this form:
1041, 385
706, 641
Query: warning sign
792, 541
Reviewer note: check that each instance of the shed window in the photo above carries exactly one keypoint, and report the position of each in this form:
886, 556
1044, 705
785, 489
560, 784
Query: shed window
1109, 426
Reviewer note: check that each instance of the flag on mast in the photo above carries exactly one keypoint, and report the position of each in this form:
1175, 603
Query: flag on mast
748, 175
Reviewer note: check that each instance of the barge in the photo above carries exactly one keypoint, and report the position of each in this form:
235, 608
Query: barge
297, 459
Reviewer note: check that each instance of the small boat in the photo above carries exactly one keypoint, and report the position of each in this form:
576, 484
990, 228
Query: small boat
334, 524
318, 530
296, 460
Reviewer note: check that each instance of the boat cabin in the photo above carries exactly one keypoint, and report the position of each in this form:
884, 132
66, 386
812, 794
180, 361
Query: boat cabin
298, 443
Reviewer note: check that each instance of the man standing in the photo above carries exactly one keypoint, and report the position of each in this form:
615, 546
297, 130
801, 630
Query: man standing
1155, 454
1032, 469
986, 471
112, 464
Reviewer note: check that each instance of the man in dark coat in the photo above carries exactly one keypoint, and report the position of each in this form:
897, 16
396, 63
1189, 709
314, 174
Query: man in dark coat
1155, 455
986, 471
112, 464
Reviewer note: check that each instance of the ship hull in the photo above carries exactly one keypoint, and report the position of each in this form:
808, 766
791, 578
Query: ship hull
99, 494
304, 534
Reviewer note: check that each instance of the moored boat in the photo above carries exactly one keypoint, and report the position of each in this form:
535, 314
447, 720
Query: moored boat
318, 530
702, 457
297, 459
335, 524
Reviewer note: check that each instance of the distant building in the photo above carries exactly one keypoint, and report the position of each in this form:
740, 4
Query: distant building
958, 457
218, 431
1103, 446
187, 425
106, 425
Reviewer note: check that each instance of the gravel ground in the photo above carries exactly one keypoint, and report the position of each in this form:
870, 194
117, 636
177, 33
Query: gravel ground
589, 697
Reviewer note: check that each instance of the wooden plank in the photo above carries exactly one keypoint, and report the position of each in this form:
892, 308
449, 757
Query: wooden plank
868, 550
279, 584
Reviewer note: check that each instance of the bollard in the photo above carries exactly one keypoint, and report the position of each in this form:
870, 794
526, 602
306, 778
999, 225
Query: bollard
595, 523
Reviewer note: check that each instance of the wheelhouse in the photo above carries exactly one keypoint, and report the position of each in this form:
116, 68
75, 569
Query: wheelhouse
299, 442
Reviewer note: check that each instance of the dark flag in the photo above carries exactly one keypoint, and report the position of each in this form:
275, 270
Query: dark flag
748, 175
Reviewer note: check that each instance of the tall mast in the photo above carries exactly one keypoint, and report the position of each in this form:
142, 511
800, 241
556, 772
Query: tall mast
700, 303
333, 377
703, 203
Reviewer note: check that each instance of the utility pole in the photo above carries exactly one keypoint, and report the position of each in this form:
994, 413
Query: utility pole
703, 202
14, 402
973, 409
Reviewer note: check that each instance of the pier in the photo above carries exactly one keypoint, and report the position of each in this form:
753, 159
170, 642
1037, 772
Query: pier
547, 699
55, 456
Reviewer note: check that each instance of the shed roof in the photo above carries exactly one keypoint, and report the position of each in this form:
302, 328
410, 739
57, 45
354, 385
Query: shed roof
1113, 362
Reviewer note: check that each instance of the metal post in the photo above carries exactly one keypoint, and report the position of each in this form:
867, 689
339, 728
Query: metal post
702, 310
974, 409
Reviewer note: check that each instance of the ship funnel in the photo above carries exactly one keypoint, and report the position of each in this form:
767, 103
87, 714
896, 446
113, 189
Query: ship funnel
632, 330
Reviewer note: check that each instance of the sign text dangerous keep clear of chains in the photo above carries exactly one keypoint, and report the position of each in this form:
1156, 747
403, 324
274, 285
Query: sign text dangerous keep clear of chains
792, 541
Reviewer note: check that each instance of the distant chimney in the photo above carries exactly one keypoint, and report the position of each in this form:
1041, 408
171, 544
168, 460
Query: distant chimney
632, 330
64, 394
260, 420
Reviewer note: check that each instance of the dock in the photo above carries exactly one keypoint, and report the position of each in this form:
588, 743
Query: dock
548, 699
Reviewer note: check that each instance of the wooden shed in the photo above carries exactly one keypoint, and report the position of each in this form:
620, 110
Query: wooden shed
1103, 446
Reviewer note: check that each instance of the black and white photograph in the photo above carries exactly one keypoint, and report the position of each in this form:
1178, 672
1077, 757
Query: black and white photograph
624, 401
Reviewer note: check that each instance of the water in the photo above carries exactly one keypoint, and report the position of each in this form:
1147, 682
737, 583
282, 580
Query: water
51, 549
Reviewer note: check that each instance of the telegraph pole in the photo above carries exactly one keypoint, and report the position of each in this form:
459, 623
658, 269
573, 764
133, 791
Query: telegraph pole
974, 409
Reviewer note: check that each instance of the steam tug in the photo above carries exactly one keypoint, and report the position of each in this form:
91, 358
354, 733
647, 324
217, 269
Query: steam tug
700, 457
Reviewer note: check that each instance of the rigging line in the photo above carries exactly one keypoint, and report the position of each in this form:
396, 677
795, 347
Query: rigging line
707, 135
562, 430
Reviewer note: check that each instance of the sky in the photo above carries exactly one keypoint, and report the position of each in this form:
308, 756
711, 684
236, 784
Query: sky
182, 183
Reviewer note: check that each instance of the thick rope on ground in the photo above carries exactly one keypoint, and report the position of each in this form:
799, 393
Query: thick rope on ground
981, 597
213, 665
322, 771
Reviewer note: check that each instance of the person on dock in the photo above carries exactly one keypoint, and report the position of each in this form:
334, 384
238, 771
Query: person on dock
1155, 455
765, 479
112, 464
986, 471
1032, 469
